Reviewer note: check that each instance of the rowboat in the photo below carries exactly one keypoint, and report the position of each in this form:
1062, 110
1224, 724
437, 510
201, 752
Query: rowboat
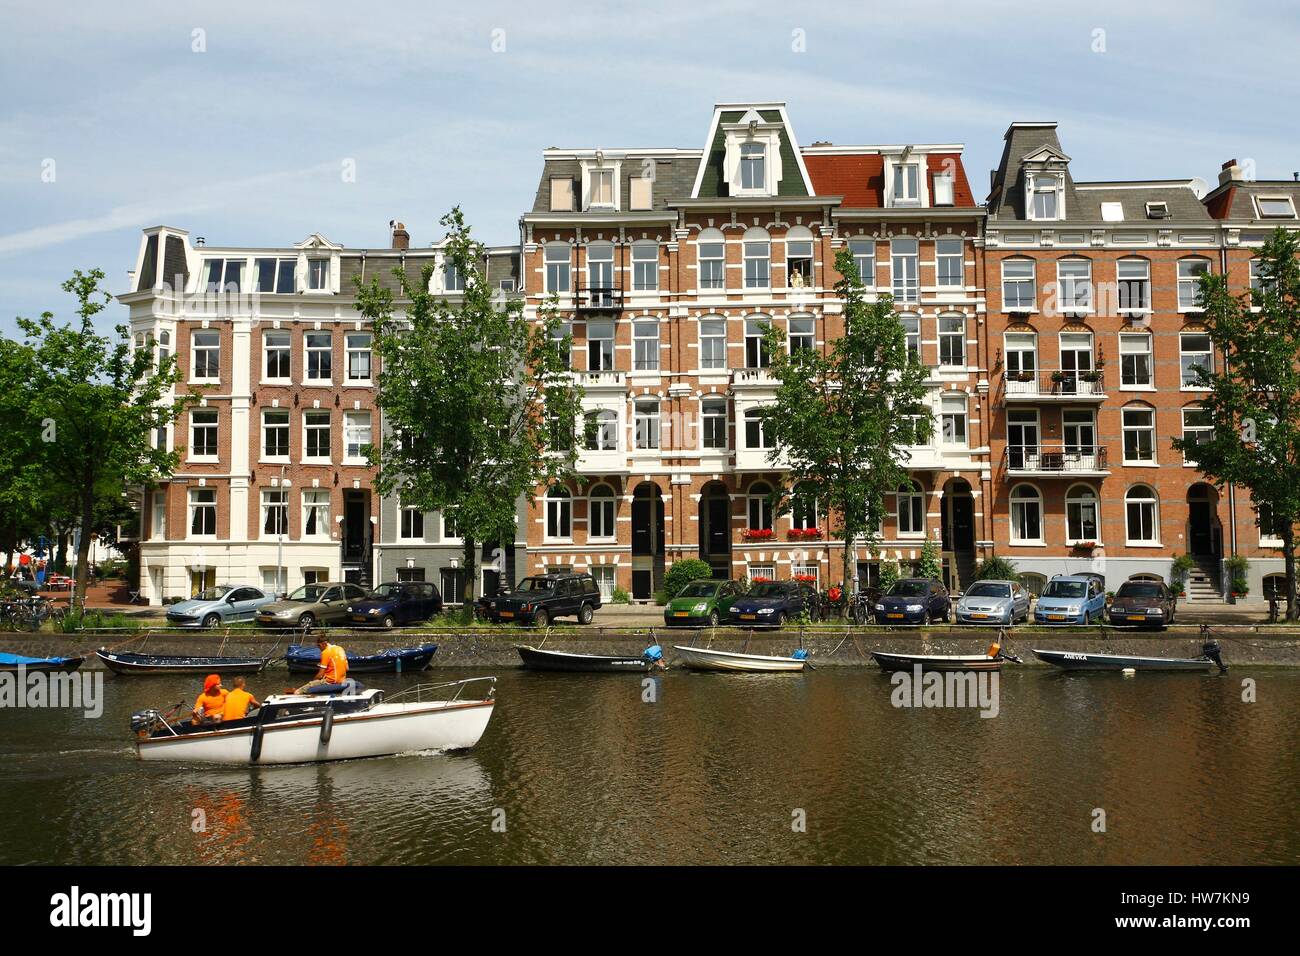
304, 728
11, 663
539, 660
988, 661
305, 659
703, 659
120, 663
1081, 661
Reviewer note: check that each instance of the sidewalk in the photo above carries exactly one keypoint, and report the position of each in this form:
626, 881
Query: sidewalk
108, 595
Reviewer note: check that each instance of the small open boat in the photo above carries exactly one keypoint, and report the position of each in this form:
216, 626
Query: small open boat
120, 663
704, 659
305, 659
300, 728
988, 661
10, 664
1088, 661
539, 660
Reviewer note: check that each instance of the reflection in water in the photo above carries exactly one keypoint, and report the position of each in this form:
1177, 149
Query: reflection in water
585, 771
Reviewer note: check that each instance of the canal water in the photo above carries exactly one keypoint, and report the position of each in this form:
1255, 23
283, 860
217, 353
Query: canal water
812, 768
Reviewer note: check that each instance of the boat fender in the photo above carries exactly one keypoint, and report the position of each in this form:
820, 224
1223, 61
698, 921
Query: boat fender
256, 750
327, 725
653, 654
994, 648
800, 655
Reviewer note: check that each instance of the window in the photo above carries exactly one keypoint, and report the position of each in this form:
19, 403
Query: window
207, 355
1275, 207
559, 513
601, 184
275, 580
203, 512
225, 275
356, 435
1139, 436
943, 189
911, 510
358, 349
1026, 514
953, 419
600, 519
1045, 200
453, 280
276, 352
318, 274
315, 513
799, 263
562, 194
450, 533
600, 345
1197, 428
1022, 356
952, 341
713, 343
160, 438
1080, 515
864, 257
159, 511
600, 272
756, 351
1195, 351
602, 430
1189, 287
645, 345
753, 157
1017, 284
275, 512
1270, 527
713, 422
902, 260
605, 580
912, 335
1256, 277
907, 178
164, 346
319, 347
803, 510
949, 255
803, 336
758, 259
1134, 279
411, 523
713, 260
1079, 431
1135, 360
275, 433
1157, 210
1141, 516
275, 275
640, 192
203, 433
760, 508
557, 267
755, 437
561, 432
562, 340
1074, 285
645, 266
316, 435
1076, 361
761, 572
646, 424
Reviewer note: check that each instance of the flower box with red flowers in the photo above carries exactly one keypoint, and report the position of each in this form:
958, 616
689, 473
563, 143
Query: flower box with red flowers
758, 534
805, 534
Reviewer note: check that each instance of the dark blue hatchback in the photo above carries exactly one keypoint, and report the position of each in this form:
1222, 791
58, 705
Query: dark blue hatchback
397, 602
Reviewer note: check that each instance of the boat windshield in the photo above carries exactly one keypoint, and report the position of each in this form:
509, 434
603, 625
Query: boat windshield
387, 591
767, 589
213, 594
1065, 589
699, 589
536, 584
310, 593
988, 589
1136, 589
908, 589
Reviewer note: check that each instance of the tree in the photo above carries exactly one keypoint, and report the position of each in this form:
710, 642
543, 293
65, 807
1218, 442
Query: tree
94, 406
479, 408
24, 496
1253, 400
843, 418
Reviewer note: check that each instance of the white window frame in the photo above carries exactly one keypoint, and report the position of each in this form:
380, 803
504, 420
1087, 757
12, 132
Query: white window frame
1126, 340
318, 274
709, 416
1154, 503
1019, 284
757, 263
321, 355
1194, 430
605, 433
1189, 290
713, 332
909, 501
863, 250
316, 502
1074, 285
352, 348
758, 507
286, 426
1126, 429
646, 424
559, 514
1184, 354
645, 266
904, 269
948, 411
309, 429
601, 345
1078, 500
952, 329
714, 277
1019, 505
211, 355
645, 345
801, 333
282, 346
274, 499
602, 497
1139, 276
557, 263
212, 424
1286, 200
912, 334
209, 504
753, 167
410, 522
755, 433
356, 425
757, 354
944, 256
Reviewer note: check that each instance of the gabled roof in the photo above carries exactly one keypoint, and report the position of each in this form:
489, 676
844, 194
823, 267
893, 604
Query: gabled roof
709, 180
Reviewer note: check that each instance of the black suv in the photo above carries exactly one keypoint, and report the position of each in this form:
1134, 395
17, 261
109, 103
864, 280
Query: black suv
539, 600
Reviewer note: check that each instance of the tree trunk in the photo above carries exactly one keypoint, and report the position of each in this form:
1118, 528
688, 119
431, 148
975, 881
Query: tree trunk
844, 574
467, 591
83, 553
1288, 555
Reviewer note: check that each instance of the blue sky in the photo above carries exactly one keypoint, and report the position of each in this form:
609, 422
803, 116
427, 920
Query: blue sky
244, 143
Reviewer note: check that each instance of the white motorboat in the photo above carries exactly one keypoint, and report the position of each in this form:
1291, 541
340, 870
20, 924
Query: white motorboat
304, 728
704, 659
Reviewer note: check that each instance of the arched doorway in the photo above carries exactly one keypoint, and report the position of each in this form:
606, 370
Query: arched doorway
647, 541
957, 526
1204, 533
715, 528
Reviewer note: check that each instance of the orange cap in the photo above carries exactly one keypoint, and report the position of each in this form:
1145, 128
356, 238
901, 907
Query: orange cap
211, 681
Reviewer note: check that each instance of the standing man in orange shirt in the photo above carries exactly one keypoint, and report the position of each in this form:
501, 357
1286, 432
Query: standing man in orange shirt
211, 704
333, 666
238, 702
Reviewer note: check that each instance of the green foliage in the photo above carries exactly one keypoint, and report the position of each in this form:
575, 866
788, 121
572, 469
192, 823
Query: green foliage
1179, 568
842, 417
473, 395
75, 621
889, 573
683, 573
997, 569
620, 597
661, 598
930, 564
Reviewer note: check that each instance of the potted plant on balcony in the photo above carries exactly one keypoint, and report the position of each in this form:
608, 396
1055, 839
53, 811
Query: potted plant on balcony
804, 534
1085, 545
758, 534
1058, 377
1022, 376
1092, 376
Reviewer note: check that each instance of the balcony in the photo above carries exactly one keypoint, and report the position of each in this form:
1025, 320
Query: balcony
1047, 461
603, 380
599, 299
1056, 386
753, 378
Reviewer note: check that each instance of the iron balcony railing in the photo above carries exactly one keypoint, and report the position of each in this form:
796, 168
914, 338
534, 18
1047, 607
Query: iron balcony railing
1063, 384
599, 299
1058, 458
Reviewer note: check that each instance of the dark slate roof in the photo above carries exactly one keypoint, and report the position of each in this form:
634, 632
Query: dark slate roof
1007, 191
502, 265
176, 267
674, 177
1181, 200
380, 266
1235, 199
712, 185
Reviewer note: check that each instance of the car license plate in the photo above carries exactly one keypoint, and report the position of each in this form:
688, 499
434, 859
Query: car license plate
359, 618
1056, 617
680, 614
749, 617
892, 614
980, 616
505, 614
1137, 617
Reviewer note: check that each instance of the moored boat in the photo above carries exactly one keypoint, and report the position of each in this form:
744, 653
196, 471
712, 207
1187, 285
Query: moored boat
302, 728
705, 659
12, 663
1211, 657
305, 659
988, 661
535, 658
122, 663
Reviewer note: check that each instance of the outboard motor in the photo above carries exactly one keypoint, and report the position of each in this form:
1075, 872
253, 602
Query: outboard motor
1212, 651
145, 722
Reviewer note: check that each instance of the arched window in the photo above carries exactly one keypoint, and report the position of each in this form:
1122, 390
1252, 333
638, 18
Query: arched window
1134, 281
645, 422
1033, 582
1074, 285
1026, 514
755, 436
1021, 350
1080, 514
713, 342
602, 430
600, 512
712, 255
760, 507
911, 509
803, 511
952, 340
559, 512
1190, 271
557, 267
758, 258
645, 265
1142, 515
1018, 285
799, 257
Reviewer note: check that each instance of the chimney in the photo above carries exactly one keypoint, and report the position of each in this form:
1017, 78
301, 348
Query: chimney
401, 238
1231, 173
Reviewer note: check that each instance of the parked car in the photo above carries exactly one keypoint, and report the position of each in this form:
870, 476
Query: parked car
1072, 599
325, 602
993, 602
222, 604
540, 599
706, 601
1143, 603
774, 602
914, 601
397, 602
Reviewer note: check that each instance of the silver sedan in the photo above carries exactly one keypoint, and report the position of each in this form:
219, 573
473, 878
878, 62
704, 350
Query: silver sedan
993, 602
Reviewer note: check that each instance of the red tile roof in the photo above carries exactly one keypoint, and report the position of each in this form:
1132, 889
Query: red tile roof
860, 177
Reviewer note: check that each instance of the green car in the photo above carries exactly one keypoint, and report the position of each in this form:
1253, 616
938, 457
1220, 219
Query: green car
702, 602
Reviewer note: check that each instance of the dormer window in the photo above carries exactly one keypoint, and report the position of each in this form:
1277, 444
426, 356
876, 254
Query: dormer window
318, 274
1157, 210
1045, 201
225, 275
753, 172
907, 179
602, 187
1275, 207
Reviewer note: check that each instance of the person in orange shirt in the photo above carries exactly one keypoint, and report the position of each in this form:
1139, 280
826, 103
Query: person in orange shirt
239, 702
211, 704
333, 666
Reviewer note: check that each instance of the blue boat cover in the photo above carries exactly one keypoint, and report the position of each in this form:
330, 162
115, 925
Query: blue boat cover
800, 655
302, 652
19, 659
